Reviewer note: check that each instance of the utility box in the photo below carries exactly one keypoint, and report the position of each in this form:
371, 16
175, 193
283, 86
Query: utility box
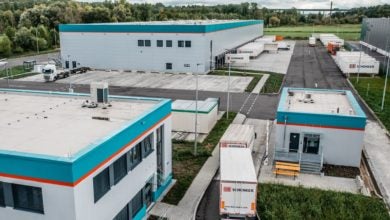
238, 136
238, 184
99, 92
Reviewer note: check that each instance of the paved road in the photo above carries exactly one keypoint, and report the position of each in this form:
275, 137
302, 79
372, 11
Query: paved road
310, 67
254, 106
39, 58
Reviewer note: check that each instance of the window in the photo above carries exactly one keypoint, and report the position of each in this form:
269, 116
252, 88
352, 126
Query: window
27, 198
137, 203
168, 66
180, 43
135, 155
188, 43
311, 143
120, 168
160, 136
148, 145
141, 43
148, 43
2, 202
160, 43
123, 214
101, 184
187, 65
168, 43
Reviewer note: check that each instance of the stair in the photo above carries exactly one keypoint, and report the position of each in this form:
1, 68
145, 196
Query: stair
310, 167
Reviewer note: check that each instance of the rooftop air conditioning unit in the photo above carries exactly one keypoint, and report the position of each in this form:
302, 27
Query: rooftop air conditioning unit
99, 92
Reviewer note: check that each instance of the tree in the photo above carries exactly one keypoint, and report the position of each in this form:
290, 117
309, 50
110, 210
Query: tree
274, 21
10, 32
24, 39
5, 46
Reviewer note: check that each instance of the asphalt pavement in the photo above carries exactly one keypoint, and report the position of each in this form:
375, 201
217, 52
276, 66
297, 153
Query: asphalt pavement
38, 58
310, 67
254, 106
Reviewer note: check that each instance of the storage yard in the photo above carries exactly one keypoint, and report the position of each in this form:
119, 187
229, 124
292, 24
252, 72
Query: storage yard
316, 131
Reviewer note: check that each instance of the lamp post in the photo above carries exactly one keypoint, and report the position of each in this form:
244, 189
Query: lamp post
228, 87
387, 73
196, 111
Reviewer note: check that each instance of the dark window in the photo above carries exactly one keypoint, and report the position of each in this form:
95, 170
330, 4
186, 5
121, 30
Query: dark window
180, 43
123, 214
160, 136
160, 43
135, 155
27, 198
188, 43
2, 203
168, 43
148, 43
137, 203
67, 64
101, 184
168, 66
148, 145
141, 43
120, 168
187, 65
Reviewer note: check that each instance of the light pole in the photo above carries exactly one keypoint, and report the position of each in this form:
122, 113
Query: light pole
360, 59
196, 110
387, 73
228, 87
36, 36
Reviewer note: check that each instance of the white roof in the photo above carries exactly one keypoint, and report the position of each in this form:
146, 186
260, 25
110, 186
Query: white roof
321, 101
236, 164
190, 105
58, 125
238, 133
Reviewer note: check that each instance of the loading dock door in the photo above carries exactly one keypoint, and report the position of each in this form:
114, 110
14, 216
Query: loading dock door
294, 142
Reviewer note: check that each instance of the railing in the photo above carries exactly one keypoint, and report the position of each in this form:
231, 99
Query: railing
298, 157
286, 156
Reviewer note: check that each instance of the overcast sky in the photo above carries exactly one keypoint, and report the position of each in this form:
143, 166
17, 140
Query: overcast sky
275, 3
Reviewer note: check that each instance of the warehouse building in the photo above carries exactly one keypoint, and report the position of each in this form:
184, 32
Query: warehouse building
161, 46
316, 127
65, 158
375, 34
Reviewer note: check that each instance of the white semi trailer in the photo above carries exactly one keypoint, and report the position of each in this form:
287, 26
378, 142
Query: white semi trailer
238, 135
238, 184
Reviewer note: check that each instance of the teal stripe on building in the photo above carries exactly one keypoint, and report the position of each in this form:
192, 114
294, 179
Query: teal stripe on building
156, 28
68, 170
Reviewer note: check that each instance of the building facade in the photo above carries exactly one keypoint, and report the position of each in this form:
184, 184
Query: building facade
316, 127
171, 46
64, 161
375, 34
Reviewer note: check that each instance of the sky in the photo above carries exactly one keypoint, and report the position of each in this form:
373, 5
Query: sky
306, 4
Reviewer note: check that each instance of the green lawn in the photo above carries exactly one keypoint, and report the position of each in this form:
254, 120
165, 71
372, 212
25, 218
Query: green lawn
14, 71
374, 96
251, 85
344, 31
186, 166
288, 202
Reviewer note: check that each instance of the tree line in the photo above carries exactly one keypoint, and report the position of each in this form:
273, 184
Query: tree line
27, 25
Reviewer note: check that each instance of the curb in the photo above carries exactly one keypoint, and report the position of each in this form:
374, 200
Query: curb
369, 109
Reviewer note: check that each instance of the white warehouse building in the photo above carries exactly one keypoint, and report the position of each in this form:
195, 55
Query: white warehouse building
166, 46
63, 159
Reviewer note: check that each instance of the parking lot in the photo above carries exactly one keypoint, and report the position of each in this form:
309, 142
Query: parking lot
156, 80
272, 62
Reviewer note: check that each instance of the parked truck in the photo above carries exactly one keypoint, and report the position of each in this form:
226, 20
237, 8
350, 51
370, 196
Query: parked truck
239, 136
238, 184
51, 72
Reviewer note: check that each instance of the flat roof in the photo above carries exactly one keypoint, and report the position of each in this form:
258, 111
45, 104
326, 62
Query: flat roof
205, 106
237, 165
58, 125
180, 26
238, 133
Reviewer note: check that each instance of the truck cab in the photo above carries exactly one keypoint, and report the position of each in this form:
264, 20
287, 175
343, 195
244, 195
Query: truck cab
52, 73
